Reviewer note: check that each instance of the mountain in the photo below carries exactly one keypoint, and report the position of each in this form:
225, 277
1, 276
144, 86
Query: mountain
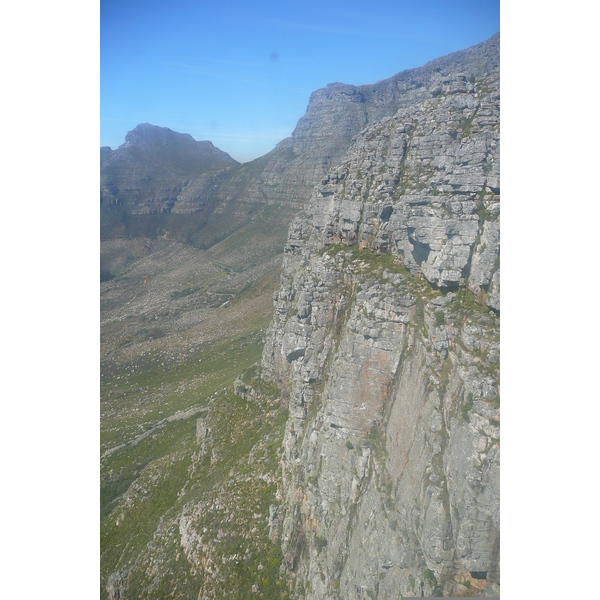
310, 412
147, 174
204, 208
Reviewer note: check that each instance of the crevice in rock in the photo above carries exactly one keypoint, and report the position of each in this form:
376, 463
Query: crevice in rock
478, 574
420, 251
295, 355
386, 213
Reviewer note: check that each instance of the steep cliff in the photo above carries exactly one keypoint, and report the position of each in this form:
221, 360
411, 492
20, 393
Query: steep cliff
386, 342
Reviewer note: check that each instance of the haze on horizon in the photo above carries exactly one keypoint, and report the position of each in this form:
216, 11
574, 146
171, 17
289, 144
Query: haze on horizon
241, 75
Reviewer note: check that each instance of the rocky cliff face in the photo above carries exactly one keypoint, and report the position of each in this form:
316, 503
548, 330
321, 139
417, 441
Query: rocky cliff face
336, 114
386, 342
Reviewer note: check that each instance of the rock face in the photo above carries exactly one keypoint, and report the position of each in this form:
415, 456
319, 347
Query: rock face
337, 113
386, 339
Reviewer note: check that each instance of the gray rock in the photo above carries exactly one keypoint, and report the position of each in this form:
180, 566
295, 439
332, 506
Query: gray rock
116, 586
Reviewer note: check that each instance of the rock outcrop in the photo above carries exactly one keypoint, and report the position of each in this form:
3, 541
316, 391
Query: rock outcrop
386, 339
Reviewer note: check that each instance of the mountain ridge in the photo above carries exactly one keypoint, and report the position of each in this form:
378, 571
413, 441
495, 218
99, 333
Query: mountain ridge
334, 115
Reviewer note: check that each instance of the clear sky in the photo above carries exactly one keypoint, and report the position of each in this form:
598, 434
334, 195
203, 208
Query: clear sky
240, 73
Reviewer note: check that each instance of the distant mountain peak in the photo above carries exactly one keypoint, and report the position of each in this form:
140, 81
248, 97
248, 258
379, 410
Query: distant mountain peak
146, 134
150, 169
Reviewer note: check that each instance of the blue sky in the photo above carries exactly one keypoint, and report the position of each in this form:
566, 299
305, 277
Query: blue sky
240, 73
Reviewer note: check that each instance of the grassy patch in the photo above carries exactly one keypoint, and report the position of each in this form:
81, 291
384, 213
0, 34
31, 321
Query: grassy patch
483, 213
466, 408
236, 479
466, 126
138, 395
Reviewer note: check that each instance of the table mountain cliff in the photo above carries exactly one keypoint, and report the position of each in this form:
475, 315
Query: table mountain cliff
359, 456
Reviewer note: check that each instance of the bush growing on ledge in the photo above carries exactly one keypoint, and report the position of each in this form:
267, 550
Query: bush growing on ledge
320, 543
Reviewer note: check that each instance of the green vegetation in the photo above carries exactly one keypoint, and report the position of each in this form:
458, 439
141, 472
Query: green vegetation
138, 395
122, 538
483, 213
376, 265
185, 292
320, 542
467, 407
429, 576
466, 305
236, 476
466, 125
444, 374
431, 579
197, 288
334, 249
121, 468
375, 440
233, 471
